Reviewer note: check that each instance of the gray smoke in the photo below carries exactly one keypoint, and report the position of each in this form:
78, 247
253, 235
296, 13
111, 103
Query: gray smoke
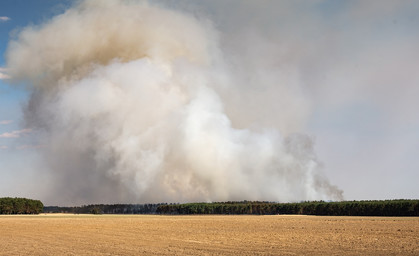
137, 102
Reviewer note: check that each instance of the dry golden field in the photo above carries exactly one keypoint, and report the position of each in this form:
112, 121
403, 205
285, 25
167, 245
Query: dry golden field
59, 234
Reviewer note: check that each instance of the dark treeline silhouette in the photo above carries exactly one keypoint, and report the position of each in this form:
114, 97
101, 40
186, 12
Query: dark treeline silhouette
9, 205
344, 208
106, 209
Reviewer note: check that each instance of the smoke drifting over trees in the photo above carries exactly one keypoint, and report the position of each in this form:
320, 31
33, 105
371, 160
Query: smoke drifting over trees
137, 102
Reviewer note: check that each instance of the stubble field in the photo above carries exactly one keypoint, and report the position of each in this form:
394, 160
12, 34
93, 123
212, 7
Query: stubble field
58, 234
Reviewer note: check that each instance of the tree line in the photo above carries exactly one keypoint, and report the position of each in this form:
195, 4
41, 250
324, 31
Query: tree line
344, 208
16, 205
105, 209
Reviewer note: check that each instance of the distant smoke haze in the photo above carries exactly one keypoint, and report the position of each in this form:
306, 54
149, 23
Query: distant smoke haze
136, 102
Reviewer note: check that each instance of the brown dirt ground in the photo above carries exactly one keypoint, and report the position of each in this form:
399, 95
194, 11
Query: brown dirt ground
57, 234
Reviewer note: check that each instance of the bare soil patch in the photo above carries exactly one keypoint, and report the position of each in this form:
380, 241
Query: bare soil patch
60, 234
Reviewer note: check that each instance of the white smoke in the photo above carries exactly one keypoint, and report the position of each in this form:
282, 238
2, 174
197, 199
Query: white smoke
140, 103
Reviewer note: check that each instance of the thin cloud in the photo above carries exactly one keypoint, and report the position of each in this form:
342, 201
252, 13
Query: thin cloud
15, 134
4, 147
3, 74
29, 146
3, 122
4, 18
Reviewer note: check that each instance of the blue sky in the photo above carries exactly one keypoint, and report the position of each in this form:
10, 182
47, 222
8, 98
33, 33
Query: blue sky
19, 14
359, 70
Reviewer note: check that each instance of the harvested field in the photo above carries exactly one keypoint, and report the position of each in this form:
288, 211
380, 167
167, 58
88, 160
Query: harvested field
59, 234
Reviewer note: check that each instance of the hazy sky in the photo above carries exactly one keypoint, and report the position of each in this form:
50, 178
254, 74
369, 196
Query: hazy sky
354, 63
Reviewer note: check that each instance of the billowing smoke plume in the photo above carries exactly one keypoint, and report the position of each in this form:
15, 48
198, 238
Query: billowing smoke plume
140, 103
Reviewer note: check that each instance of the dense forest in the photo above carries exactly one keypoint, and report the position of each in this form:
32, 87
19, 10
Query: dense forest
10, 205
344, 208
106, 209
